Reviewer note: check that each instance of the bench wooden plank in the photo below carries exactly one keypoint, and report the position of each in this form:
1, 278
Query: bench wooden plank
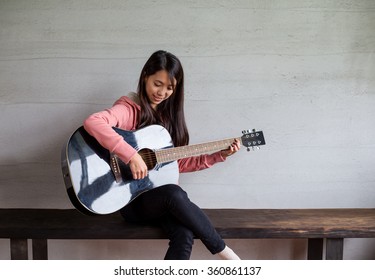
230, 223
333, 225
70, 224
297, 223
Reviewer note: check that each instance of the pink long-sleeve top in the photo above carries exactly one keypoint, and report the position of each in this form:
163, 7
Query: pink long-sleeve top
124, 114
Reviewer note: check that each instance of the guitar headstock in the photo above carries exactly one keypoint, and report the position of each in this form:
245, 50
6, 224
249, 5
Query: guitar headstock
252, 138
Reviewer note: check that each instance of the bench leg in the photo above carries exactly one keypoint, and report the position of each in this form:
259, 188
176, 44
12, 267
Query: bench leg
315, 248
40, 249
334, 248
18, 249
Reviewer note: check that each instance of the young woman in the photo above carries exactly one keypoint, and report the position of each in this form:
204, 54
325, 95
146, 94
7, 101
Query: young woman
160, 100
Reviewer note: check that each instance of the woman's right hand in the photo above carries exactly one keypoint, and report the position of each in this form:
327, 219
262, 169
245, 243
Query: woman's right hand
138, 167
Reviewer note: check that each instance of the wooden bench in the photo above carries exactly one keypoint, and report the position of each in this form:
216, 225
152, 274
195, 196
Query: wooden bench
315, 225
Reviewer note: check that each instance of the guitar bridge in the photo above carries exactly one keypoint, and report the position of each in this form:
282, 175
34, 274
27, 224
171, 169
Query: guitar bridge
113, 162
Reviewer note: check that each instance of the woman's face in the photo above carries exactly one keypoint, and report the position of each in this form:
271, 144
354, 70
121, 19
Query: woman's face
159, 87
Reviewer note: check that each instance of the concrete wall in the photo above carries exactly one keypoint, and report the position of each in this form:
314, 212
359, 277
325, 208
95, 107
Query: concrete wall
301, 71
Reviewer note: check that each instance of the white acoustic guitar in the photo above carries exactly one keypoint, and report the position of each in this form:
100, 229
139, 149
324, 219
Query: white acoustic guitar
98, 182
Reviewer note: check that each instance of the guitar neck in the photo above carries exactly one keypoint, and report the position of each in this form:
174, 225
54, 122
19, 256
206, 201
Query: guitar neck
172, 154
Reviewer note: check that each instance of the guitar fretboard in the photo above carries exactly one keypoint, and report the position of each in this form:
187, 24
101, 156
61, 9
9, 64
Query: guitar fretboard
172, 154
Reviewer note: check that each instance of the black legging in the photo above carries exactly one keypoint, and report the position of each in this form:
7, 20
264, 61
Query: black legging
170, 207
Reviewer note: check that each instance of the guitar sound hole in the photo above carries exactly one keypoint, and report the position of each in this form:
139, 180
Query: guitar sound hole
149, 158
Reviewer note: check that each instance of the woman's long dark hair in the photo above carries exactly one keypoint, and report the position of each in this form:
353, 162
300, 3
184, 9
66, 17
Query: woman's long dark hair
169, 113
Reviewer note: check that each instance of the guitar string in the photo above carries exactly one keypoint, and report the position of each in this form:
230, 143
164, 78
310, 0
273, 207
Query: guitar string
150, 158
147, 158
186, 151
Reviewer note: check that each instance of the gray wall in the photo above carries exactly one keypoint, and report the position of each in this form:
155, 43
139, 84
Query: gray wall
301, 71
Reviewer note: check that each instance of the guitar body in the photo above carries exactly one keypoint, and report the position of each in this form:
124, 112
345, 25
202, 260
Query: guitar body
90, 181
98, 182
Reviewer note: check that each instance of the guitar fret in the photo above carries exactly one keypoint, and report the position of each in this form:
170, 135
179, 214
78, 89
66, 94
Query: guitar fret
172, 154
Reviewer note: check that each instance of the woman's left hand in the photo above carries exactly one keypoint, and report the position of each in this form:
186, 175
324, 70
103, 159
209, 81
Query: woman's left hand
233, 148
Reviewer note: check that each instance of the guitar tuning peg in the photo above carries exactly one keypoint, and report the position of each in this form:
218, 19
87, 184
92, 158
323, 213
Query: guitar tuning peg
252, 148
